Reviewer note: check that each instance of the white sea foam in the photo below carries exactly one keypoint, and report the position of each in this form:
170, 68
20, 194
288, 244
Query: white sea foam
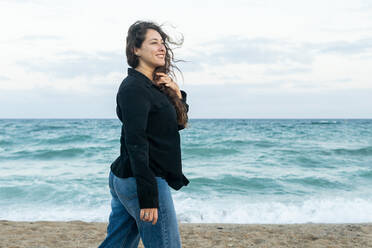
336, 210
56, 213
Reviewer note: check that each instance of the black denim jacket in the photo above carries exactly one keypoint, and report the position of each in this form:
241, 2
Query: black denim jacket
150, 140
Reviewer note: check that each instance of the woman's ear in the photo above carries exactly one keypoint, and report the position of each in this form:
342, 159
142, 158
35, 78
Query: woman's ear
135, 51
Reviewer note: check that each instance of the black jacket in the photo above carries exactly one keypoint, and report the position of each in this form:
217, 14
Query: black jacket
150, 141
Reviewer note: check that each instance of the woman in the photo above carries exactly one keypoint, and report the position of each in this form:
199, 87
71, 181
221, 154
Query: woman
152, 109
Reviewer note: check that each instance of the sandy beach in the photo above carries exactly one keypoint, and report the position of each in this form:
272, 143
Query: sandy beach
90, 234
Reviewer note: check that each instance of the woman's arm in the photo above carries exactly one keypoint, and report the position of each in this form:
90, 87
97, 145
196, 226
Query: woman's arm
135, 104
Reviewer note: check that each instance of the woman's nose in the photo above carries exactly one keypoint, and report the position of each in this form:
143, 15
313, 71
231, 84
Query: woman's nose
162, 47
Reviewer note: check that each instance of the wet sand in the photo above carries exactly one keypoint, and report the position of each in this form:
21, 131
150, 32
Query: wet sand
90, 234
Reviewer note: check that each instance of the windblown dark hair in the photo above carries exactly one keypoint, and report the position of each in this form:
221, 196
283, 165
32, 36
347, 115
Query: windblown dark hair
136, 35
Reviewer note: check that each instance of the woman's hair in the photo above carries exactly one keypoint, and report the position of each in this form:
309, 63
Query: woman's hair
136, 36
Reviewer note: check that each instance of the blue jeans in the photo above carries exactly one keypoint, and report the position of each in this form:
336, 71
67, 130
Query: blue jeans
125, 228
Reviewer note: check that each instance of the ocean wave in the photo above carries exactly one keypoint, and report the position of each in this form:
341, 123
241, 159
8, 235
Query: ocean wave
53, 153
365, 174
38, 128
5, 142
233, 184
325, 122
365, 151
316, 182
241, 142
209, 151
66, 139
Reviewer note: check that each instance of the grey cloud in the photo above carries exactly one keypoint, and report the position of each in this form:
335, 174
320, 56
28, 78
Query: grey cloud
366, 5
190, 66
4, 78
234, 50
347, 29
231, 78
25, 1
40, 37
289, 70
251, 51
46, 102
70, 64
303, 84
342, 47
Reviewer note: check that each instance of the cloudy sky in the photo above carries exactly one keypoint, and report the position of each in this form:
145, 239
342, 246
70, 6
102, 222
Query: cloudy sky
245, 59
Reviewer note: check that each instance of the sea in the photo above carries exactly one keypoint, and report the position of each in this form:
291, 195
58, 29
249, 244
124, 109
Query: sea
240, 170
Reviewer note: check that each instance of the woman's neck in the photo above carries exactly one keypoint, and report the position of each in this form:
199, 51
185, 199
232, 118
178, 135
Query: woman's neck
146, 71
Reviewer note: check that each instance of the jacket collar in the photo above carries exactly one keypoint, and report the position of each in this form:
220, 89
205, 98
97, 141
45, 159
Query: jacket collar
140, 75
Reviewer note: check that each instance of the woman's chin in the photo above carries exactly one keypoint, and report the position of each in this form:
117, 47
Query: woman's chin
160, 64
157, 63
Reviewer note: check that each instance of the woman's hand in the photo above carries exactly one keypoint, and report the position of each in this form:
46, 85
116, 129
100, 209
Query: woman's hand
167, 81
149, 214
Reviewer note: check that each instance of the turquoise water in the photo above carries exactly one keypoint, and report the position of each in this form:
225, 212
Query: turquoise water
240, 170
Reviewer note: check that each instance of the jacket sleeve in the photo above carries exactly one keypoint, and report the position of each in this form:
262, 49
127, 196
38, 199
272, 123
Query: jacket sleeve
135, 104
183, 99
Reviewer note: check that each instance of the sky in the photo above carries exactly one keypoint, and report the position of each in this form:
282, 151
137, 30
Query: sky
244, 59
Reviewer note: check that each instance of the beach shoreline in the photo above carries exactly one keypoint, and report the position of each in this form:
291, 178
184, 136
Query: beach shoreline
16, 234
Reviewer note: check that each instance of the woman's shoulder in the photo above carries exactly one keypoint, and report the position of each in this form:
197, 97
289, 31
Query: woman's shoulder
133, 86
131, 83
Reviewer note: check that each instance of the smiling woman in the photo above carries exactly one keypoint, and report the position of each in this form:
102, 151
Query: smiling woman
148, 50
153, 110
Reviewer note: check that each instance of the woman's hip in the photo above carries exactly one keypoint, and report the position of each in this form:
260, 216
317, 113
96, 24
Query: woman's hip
127, 188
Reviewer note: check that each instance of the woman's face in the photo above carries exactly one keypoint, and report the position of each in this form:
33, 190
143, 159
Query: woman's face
152, 51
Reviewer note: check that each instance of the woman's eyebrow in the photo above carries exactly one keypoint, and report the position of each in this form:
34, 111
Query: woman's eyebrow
156, 39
